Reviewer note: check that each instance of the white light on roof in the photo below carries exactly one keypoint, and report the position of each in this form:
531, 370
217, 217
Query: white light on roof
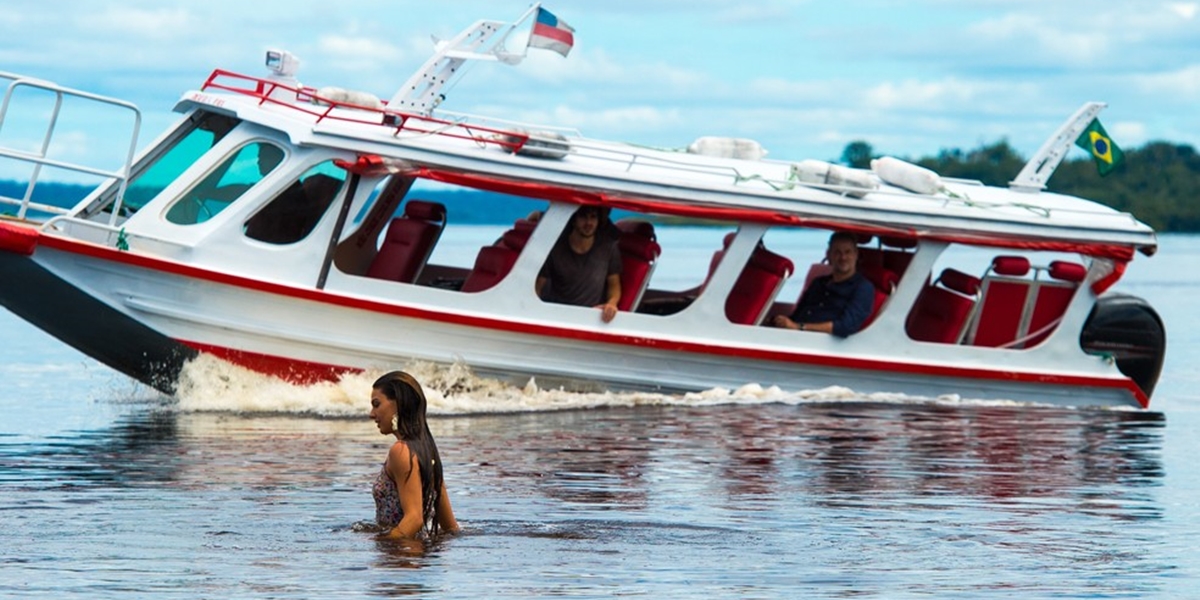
282, 63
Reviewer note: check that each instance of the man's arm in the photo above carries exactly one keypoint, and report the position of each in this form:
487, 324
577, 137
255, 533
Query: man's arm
856, 312
612, 296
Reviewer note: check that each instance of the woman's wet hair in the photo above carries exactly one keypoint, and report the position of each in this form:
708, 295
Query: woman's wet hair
413, 429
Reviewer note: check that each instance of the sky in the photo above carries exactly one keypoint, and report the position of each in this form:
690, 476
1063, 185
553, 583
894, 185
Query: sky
802, 77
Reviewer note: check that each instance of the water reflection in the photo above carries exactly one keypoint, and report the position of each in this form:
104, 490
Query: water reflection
848, 454
762, 492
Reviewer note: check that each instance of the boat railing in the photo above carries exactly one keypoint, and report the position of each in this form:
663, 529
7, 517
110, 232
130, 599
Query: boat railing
513, 137
40, 158
323, 109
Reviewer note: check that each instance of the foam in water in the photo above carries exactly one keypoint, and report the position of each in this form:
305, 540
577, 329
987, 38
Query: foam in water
209, 384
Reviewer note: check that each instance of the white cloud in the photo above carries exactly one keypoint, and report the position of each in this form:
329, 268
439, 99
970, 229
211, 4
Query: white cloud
1187, 10
159, 23
1182, 85
357, 53
1032, 33
1128, 133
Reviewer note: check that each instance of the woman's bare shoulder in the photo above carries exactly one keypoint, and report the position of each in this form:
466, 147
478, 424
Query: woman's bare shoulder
399, 457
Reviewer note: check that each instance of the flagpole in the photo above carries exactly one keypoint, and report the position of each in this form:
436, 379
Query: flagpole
513, 27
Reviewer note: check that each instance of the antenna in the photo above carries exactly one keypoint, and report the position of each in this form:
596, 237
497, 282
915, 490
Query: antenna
1038, 170
423, 91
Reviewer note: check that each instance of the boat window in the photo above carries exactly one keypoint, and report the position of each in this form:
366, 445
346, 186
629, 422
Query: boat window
438, 235
292, 214
225, 184
206, 129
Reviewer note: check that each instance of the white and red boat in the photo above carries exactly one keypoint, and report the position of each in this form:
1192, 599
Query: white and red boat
276, 226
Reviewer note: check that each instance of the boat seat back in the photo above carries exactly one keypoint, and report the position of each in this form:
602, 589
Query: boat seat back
526, 225
943, 308
514, 238
898, 254
757, 286
492, 264
1051, 300
820, 269
717, 257
637, 227
1006, 297
408, 242
639, 255
884, 282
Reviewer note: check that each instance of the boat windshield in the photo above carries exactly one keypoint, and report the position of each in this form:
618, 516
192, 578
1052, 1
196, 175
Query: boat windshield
199, 135
225, 184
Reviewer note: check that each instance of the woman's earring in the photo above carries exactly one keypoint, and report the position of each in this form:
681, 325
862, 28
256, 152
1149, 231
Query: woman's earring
395, 423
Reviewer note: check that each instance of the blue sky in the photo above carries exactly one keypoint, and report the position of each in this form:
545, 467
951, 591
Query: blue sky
804, 78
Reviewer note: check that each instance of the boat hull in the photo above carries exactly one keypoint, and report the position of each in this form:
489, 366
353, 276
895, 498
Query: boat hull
146, 317
82, 321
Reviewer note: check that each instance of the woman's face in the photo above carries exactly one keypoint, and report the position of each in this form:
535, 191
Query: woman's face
382, 411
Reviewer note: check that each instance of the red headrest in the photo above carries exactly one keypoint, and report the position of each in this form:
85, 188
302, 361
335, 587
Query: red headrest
883, 279
960, 282
863, 238
636, 227
514, 238
1014, 266
425, 210
772, 263
639, 247
1067, 271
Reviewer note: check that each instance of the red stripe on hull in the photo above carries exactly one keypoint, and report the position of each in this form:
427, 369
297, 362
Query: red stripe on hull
288, 369
315, 295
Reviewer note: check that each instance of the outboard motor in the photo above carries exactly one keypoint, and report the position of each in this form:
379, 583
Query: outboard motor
1126, 328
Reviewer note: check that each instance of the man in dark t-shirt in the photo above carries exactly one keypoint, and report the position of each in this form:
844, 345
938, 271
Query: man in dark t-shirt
837, 303
584, 267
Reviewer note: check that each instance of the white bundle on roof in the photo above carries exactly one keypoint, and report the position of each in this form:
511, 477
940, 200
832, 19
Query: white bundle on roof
913, 178
724, 147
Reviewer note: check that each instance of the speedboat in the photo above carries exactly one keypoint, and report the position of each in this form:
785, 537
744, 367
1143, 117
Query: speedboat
281, 227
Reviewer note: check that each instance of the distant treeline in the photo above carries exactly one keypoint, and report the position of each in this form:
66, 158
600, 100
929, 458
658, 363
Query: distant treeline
1157, 183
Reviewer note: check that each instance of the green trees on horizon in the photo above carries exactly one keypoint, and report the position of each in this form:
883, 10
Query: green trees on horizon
1157, 183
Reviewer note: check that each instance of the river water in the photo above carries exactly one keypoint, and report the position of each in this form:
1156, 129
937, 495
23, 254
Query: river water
245, 488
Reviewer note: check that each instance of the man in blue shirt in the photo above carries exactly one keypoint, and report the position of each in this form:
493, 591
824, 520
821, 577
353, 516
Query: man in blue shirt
837, 303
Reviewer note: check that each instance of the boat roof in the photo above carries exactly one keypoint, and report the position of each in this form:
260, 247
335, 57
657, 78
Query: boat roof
561, 164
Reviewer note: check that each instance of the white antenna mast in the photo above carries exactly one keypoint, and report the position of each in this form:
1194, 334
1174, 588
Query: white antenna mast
1038, 170
423, 91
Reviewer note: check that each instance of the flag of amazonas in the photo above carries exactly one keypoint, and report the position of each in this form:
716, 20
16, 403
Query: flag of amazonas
1096, 141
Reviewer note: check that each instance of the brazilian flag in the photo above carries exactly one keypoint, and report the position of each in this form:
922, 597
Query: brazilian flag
1096, 141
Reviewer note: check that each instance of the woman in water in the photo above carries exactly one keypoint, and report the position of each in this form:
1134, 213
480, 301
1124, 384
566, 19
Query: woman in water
410, 495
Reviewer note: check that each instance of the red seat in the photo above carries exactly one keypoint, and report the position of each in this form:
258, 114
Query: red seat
884, 282
495, 261
1052, 298
514, 238
757, 286
637, 227
898, 254
943, 308
408, 242
491, 265
1005, 298
639, 255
